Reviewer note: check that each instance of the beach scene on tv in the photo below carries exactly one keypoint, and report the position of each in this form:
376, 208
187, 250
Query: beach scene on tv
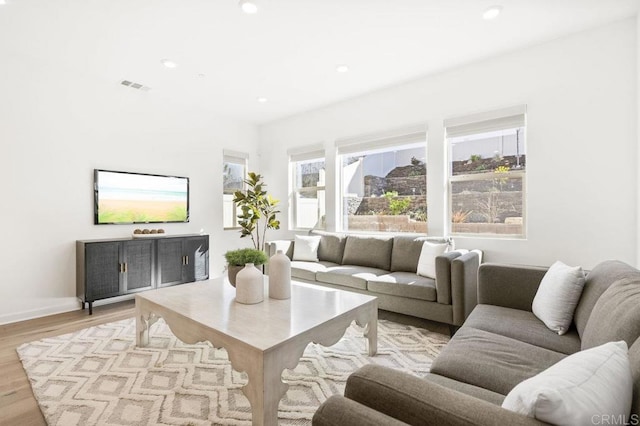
135, 198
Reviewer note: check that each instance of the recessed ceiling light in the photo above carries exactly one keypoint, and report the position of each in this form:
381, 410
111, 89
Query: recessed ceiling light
492, 13
342, 68
261, 99
168, 63
248, 6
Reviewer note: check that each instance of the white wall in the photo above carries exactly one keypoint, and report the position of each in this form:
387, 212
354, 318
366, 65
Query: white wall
581, 141
55, 128
638, 130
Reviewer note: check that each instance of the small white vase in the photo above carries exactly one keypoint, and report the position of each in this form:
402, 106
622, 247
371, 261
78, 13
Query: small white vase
249, 285
279, 276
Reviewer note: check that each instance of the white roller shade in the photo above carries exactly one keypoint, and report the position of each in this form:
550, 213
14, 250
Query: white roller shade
308, 152
507, 118
404, 136
235, 156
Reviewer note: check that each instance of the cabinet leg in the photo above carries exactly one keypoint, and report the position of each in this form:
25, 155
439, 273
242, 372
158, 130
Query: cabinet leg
83, 303
90, 308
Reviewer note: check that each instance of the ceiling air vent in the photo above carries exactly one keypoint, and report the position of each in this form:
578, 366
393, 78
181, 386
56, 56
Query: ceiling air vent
133, 85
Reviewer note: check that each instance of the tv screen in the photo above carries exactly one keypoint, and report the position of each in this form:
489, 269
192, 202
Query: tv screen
123, 197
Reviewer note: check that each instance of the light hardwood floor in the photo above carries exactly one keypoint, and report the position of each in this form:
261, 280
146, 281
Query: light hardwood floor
17, 404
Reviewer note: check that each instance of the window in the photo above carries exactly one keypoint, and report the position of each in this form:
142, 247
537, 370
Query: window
307, 207
234, 171
487, 163
384, 183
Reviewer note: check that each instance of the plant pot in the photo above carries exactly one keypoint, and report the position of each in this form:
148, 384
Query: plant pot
249, 285
232, 271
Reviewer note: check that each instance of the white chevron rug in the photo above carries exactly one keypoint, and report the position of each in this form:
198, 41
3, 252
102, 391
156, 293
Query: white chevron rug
97, 376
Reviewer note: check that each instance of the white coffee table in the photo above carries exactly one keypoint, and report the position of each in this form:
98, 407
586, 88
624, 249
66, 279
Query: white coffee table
262, 339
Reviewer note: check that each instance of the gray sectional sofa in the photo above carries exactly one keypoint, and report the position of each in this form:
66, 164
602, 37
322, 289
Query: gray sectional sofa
501, 344
385, 266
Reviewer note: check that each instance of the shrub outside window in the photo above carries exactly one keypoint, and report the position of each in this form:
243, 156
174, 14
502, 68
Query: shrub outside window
234, 171
487, 183
384, 189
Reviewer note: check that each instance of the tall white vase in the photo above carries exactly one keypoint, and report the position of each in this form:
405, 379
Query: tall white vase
249, 285
279, 276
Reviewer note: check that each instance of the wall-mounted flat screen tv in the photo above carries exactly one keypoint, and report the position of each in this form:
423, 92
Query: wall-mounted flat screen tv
123, 197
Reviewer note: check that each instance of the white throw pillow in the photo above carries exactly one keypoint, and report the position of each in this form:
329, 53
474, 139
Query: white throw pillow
306, 248
582, 387
427, 260
558, 295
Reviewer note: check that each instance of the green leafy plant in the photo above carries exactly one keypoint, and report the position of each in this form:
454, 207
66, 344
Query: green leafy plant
475, 157
397, 206
258, 210
241, 257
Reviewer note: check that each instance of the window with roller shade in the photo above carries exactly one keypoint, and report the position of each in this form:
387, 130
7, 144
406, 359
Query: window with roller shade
487, 173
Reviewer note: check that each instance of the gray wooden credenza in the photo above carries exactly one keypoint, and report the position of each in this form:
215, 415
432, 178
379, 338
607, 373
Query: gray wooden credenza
115, 267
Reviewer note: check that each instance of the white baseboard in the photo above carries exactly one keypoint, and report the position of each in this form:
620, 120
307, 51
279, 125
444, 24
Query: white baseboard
68, 304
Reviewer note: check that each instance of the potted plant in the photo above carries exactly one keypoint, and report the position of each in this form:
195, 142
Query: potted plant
257, 210
236, 259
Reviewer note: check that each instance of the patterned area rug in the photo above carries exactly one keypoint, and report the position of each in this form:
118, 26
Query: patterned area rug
97, 376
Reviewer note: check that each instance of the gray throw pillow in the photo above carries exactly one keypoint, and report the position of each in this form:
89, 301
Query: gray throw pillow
374, 252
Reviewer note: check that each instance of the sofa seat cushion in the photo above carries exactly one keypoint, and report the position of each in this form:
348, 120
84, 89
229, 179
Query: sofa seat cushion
307, 270
475, 391
404, 284
349, 275
523, 326
491, 361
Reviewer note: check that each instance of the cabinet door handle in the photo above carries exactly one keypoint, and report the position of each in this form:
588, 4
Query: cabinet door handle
125, 267
186, 258
120, 268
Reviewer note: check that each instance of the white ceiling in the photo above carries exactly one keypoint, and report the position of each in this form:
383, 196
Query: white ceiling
287, 52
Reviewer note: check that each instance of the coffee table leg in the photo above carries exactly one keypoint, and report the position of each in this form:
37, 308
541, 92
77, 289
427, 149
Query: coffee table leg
371, 333
265, 387
144, 320
368, 318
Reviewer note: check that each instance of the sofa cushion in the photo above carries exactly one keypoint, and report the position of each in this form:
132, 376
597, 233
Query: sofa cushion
306, 248
404, 284
598, 281
307, 270
558, 295
374, 252
578, 389
523, 326
616, 315
475, 391
349, 275
427, 261
491, 361
406, 251
331, 248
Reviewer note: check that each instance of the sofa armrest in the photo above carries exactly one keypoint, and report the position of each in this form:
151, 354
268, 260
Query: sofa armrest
416, 401
464, 286
341, 411
510, 286
443, 276
285, 245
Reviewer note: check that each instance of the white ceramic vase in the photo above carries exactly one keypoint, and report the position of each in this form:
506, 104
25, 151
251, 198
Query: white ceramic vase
249, 285
279, 276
